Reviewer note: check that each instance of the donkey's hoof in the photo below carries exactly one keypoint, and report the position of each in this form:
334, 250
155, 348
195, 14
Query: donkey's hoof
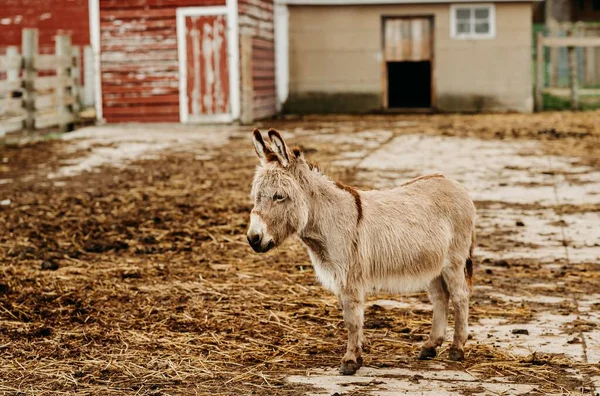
350, 367
457, 354
427, 353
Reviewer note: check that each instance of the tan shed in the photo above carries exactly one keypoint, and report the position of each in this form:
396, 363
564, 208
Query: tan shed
394, 55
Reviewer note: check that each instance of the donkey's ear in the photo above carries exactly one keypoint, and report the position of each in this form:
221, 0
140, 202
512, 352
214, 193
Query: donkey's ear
281, 148
262, 151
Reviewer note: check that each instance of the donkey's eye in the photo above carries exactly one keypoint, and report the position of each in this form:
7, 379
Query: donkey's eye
278, 198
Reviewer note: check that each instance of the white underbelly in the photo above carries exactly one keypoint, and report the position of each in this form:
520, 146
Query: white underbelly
402, 283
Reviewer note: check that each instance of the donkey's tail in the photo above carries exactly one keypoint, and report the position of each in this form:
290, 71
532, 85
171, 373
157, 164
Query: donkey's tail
469, 262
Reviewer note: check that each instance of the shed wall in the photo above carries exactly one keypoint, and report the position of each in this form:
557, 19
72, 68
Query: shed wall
256, 20
335, 59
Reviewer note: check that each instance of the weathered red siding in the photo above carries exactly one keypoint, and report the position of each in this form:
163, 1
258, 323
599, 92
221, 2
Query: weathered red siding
140, 75
256, 19
51, 17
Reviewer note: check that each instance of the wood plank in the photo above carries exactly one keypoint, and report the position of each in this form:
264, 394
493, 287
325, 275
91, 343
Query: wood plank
247, 115
264, 112
136, 90
256, 13
264, 106
47, 83
567, 91
10, 62
114, 34
263, 83
539, 84
142, 110
259, 43
50, 100
263, 54
573, 78
263, 65
264, 93
162, 99
63, 48
138, 25
264, 102
407, 39
10, 86
264, 5
106, 5
43, 62
11, 106
146, 118
141, 47
266, 32
571, 41
11, 124
263, 73
145, 14
138, 78
45, 120
156, 57
29, 49
147, 67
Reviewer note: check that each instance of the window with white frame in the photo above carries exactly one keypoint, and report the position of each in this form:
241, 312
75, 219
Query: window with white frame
472, 21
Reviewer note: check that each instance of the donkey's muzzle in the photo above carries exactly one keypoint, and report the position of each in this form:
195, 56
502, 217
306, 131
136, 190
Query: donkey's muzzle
255, 240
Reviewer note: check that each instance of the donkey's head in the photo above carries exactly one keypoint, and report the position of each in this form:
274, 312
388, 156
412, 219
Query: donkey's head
280, 203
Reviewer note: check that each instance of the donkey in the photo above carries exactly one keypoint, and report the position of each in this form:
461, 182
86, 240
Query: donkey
417, 236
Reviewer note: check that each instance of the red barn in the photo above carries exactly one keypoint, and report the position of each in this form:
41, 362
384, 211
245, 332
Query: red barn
50, 17
185, 60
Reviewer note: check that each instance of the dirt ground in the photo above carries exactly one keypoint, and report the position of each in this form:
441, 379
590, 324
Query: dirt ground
125, 267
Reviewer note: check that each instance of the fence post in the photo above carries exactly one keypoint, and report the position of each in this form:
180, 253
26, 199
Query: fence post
573, 75
539, 77
246, 74
29, 43
553, 31
63, 50
13, 73
76, 77
10, 104
88, 77
590, 70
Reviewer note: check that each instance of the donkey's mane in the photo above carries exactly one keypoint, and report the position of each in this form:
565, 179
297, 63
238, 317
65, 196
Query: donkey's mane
297, 151
315, 168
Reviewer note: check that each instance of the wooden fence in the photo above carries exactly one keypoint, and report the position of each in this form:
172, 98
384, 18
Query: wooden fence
574, 90
40, 90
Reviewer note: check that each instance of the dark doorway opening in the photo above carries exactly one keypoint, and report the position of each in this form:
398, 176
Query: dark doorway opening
409, 84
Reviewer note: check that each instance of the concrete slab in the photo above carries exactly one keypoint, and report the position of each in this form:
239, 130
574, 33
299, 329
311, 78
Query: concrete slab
511, 172
382, 382
116, 145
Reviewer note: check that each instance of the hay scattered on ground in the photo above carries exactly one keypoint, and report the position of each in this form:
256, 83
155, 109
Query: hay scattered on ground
140, 280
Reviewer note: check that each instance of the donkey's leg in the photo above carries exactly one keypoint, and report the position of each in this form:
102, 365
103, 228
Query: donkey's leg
352, 306
454, 275
439, 296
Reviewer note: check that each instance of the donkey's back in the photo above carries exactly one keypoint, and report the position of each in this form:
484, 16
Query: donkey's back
411, 232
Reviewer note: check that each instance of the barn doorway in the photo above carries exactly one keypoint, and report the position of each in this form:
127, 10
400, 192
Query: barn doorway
408, 57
